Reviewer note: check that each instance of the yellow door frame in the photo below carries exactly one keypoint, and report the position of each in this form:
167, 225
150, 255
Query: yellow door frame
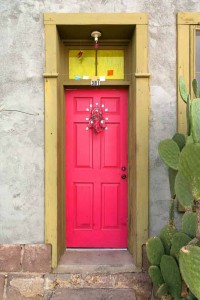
139, 96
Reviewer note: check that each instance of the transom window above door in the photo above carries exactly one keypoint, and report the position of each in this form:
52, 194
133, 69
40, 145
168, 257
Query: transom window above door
107, 64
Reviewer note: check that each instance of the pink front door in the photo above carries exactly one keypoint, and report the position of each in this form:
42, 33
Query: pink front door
96, 170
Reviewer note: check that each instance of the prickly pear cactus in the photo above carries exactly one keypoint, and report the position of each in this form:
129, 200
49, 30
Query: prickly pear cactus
180, 139
195, 88
155, 275
191, 296
189, 261
195, 119
166, 236
162, 291
183, 89
179, 240
189, 224
189, 169
171, 275
172, 176
183, 191
169, 152
155, 250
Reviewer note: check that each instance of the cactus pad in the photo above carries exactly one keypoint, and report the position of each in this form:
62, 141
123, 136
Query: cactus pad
195, 87
189, 223
162, 290
169, 153
183, 191
188, 116
190, 268
189, 171
179, 240
171, 275
172, 175
180, 139
191, 296
183, 89
166, 236
189, 140
195, 119
155, 275
155, 250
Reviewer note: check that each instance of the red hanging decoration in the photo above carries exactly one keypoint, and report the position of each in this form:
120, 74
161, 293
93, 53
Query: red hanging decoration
96, 120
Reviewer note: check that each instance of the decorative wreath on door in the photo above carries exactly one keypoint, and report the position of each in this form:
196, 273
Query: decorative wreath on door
96, 120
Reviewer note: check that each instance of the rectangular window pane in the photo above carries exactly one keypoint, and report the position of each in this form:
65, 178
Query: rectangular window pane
81, 63
111, 64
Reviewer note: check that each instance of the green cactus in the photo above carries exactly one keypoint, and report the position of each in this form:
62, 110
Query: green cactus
155, 275
189, 223
195, 119
172, 176
179, 240
180, 139
155, 250
169, 152
162, 290
183, 191
171, 212
189, 139
166, 236
191, 296
188, 116
190, 268
171, 275
187, 182
183, 89
195, 88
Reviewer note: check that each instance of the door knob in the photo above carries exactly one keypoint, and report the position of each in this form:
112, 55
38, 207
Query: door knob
123, 168
123, 176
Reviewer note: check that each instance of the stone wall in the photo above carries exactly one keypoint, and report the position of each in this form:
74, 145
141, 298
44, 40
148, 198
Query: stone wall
22, 105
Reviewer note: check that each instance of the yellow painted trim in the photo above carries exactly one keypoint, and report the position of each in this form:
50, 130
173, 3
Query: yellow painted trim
51, 166
142, 140
183, 69
51, 141
188, 18
142, 75
50, 75
95, 18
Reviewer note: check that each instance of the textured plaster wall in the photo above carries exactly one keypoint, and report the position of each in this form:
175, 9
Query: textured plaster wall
22, 105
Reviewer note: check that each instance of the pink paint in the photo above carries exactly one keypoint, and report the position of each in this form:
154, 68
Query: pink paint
96, 195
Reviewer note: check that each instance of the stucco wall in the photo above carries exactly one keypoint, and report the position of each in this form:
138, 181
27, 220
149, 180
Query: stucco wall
22, 92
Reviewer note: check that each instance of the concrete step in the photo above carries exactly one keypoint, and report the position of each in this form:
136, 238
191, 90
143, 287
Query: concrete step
97, 274
96, 261
93, 294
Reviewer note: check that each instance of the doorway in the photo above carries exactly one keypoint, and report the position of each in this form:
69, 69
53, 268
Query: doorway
66, 30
